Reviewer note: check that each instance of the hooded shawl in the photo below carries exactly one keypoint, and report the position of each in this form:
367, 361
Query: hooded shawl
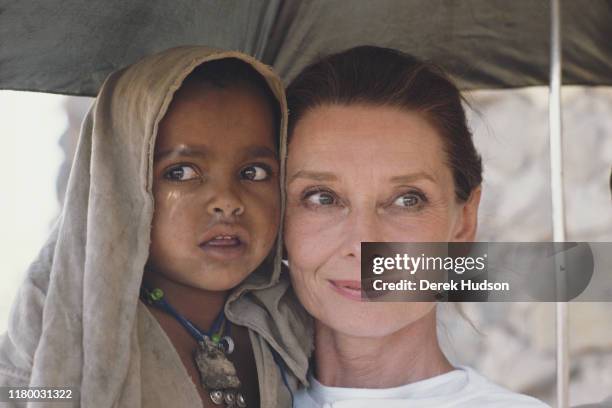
78, 321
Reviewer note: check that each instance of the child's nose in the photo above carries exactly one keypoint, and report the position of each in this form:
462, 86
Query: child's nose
225, 203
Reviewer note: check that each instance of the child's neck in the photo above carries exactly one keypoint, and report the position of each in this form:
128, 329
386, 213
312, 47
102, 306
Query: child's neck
200, 306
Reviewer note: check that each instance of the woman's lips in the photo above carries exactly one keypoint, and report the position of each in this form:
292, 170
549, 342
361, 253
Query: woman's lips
350, 289
368, 289
224, 247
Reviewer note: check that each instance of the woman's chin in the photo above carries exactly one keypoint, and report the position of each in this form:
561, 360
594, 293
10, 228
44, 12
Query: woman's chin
373, 320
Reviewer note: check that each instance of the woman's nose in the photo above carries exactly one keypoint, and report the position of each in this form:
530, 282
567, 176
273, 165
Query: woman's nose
361, 227
225, 203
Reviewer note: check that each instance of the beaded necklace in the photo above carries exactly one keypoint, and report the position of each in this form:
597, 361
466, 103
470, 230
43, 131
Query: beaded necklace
217, 373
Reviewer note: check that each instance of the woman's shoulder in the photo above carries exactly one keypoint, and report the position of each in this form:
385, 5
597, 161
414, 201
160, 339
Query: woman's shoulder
460, 388
480, 391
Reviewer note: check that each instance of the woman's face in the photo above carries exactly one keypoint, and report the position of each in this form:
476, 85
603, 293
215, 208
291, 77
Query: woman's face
365, 173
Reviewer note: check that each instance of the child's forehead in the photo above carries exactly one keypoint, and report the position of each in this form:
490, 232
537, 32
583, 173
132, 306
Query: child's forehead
224, 120
198, 89
199, 99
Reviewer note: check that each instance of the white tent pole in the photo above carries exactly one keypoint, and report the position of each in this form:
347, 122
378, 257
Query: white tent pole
558, 211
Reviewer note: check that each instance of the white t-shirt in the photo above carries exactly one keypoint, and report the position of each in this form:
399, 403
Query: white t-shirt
460, 388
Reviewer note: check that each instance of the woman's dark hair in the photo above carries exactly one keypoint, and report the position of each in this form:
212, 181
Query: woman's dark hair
378, 76
232, 71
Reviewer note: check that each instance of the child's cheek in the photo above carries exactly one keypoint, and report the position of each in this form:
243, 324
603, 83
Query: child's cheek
264, 200
262, 216
169, 203
178, 205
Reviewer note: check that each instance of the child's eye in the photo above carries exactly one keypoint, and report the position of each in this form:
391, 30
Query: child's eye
255, 172
181, 172
320, 198
410, 200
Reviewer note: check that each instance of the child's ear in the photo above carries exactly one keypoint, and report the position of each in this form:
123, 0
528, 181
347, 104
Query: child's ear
467, 224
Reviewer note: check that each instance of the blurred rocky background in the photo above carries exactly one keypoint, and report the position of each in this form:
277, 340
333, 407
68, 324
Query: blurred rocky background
514, 343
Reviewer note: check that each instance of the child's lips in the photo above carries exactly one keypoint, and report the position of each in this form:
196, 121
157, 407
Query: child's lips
224, 243
224, 249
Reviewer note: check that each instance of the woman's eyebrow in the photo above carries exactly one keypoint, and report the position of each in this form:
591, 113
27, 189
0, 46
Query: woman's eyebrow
183, 150
313, 175
409, 178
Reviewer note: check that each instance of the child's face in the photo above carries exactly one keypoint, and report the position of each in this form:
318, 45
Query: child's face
216, 186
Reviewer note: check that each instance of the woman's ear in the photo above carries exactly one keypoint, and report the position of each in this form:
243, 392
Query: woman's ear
467, 224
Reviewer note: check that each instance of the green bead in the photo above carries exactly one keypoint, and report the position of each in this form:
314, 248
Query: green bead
157, 294
215, 338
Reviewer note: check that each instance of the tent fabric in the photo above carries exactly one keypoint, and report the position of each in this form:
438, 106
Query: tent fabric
70, 46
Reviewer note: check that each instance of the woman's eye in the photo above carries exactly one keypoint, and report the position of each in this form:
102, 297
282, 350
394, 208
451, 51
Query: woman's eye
409, 200
255, 173
182, 172
321, 198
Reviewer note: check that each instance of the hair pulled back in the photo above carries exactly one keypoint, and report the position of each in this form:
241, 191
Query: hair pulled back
377, 76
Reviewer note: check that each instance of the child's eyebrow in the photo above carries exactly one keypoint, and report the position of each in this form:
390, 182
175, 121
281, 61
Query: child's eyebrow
253, 152
182, 151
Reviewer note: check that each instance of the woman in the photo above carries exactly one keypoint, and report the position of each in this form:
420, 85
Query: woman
379, 150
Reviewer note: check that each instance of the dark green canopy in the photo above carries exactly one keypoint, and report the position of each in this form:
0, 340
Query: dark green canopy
69, 46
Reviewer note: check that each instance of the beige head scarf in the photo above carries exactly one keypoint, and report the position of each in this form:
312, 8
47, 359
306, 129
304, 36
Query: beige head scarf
75, 320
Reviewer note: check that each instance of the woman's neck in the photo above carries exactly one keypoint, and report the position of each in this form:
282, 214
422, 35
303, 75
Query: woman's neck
199, 306
406, 356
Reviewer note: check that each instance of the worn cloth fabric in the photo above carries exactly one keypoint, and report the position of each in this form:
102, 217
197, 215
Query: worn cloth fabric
460, 388
78, 321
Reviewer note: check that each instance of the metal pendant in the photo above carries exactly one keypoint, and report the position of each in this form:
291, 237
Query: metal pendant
218, 374
216, 371
216, 397
229, 398
228, 344
240, 401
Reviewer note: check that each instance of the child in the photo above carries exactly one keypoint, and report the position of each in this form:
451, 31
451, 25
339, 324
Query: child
174, 195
